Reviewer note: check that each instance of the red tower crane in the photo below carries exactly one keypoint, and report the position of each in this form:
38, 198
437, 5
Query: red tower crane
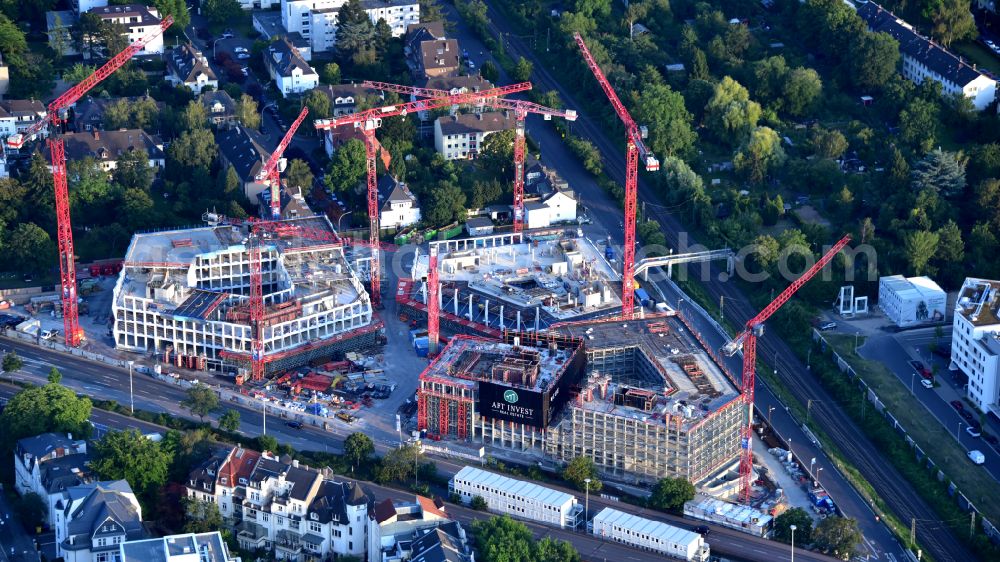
270, 170
635, 148
748, 341
433, 310
64, 230
521, 110
370, 120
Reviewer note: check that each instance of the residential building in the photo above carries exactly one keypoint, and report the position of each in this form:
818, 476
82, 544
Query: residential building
454, 85
58, 26
650, 535
975, 341
479, 226
417, 33
394, 525
399, 204
290, 72
923, 58
95, 520
316, 20
436, 58
222, 479
8, 124
911, 301
188, 67
294, 509
462, 136
344, 98
106, 147
242, 149
220, 106
524, 500
446, 543
257, 4
25, 113
48, 464
88, 113
188, 547
82, 6
548, 198
139, 21
336, 137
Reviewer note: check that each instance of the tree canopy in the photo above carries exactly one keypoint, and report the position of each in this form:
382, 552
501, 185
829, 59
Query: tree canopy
579, 470
40, 409
201, 400
670, 494
129, 455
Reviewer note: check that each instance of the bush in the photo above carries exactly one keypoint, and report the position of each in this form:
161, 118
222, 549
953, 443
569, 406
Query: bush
478, 503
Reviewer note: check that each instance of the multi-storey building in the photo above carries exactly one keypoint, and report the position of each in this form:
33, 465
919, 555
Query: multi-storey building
189, 547
24, 114
95, 519
139, 21
183, 295
186, 66
280, 505
47, 465
461, 136
649, 535
394, 527
923, 59
289, 70
316, 20
975, 341
107, 147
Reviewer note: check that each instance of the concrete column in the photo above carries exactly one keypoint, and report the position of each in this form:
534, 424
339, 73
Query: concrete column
537, 311
456, 301
501, 316
518, 320
486, 313
670, 270
470, 307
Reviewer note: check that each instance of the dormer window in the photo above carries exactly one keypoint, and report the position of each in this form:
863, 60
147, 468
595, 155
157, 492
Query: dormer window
224, 480
313, 516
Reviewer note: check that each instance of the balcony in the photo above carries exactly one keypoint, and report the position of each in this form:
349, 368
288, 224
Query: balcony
288, 546
251, 536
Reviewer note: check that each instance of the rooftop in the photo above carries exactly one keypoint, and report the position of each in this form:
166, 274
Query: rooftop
465, 123
979, 302
284, 58
209, 547
518, 488
187, 62
642, 526
439, 54
146, 16
111, 145
243, 149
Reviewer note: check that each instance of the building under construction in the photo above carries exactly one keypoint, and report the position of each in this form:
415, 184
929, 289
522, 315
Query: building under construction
517, 282
183, 297
643, 398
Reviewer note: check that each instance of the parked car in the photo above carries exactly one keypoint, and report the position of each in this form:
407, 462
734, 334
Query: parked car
294, 424
227, 34
922, 369
967, 416
977, 457
240, 50
973, 431
828, 326
926, 383
957, 404
243, 56
702, 530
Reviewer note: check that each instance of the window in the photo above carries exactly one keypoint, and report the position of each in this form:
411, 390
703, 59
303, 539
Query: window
315, 527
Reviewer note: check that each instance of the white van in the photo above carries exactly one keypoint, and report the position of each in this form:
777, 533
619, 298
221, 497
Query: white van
977, 457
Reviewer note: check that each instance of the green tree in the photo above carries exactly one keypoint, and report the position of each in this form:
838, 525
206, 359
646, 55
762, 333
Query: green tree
949, 258
872, 59
554, 550
11, 362
669, 494
828, 143
446, 203
318, 104
230, 421
229, 182
347, 166
129, 455
359, 448
221, 11
132, 171
730, 114
193, 149
918, 124
247, 113
952, 20
397, 465
54, 376
479, 503
919, 247
58, 41
578, 470
31, 509
195, 116
940, 172
802, 88
330, 74
201, 516
267, 443
662, 110
840, 536
497, 153
201, 400
30, 247
803, 526
176, 8
137, 209
770, 75
12, 40
40, 409
298, 174
522, 70
502, 539
489, 72
761, 154
77, 73
355, 32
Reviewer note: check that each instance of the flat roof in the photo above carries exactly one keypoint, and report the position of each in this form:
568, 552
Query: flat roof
978, 301
643, 526
470, 360
730, 511
922, 286
520, 488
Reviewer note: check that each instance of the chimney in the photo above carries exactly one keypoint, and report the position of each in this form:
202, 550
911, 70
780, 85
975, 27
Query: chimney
295, 463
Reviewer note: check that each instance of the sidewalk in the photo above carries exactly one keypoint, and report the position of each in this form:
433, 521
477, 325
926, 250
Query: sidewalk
794, 493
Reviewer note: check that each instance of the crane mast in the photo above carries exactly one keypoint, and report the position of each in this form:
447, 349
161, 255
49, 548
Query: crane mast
270, 170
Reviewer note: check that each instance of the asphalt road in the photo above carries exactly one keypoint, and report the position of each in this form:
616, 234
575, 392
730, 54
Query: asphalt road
15, 544
900, 496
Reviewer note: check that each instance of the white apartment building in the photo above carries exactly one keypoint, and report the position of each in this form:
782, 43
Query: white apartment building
923, 59
139, 21
555, 208
95, 519
461, 136
911, 301
82, 6
393, 526
517, 498
187, 66
290, 72
975, 341
316, 20
257, 4
188, 547
47, 465
24, 114
184, 296
399, 205
649, 535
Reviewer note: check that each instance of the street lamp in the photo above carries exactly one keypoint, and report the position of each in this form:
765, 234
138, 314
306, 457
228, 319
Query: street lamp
341, 217
213, 46
812, 462
818, 470
809, 404
793, 527
912, 377
769, 410
131, 395
586, 504
958, 433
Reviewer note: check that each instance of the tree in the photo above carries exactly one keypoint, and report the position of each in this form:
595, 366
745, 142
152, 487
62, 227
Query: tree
952, 20
177, 9
129, 455
347, 166
502, 539
397, 465
201, 516
132, 170
794, 516
920, 246
761, 154
358, 447
77, 73
298, 174
58, 39
193, 149
669, 494
578, 470
137, 209
229, 182
497, 153
839, 535
446, 203
489, 72
12, 40
554, 550
267, 443
12, 363
201, 400
940, 172
40, 409
950, 255
330, 74
221, 11
355, 31
801, 90
872, 59
30, 247
31, 509
479, 503
770, 75
195, 116
828, 143
230, 421
918, 124
54, 376
730, 114
522, 70
662, 110
318, 104
247, 113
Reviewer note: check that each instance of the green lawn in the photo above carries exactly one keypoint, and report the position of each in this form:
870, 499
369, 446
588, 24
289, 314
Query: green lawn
929, 435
